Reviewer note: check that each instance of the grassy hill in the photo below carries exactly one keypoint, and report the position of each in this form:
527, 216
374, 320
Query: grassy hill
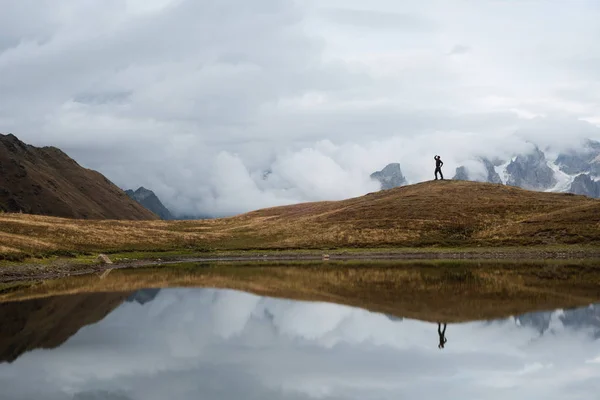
446, 213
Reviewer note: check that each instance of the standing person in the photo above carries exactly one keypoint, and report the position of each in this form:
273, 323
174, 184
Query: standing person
438, 167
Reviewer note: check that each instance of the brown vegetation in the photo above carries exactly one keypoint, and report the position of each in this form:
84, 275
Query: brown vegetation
440, 290
447, 213
46, 181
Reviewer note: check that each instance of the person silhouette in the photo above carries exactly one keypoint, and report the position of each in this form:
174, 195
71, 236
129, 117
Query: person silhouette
438, 167
442, 335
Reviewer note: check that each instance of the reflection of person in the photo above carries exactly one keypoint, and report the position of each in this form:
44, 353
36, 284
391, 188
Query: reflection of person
442, 334
438, 167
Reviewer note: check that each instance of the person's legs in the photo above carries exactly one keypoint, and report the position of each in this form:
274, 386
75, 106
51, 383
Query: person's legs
438, 170
441, 175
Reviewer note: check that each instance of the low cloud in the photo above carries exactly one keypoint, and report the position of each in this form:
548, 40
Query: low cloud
195, 100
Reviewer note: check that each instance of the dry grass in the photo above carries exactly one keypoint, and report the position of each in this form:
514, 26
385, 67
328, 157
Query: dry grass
448, 213
433, 291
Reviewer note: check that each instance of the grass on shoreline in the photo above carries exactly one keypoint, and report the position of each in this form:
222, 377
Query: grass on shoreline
119, 257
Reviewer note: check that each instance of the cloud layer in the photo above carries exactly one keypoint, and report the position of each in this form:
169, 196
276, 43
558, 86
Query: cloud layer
195, 100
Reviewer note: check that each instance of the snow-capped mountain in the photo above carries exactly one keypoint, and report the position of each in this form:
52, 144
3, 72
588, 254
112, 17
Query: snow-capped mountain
574, 171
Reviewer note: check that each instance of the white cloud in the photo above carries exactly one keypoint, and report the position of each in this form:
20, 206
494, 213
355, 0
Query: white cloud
158, 93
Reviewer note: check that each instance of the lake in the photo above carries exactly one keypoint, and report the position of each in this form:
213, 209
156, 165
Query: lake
203, 343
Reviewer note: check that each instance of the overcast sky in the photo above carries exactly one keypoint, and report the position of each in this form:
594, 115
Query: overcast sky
195, 99
212, 344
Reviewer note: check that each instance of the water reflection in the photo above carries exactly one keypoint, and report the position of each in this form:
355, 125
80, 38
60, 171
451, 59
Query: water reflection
221, 344
442, 335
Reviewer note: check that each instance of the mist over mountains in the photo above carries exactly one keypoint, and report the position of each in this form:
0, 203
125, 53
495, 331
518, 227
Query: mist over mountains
574, 169
195, 101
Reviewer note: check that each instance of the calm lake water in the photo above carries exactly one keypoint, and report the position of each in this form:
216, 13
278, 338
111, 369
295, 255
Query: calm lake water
222, 344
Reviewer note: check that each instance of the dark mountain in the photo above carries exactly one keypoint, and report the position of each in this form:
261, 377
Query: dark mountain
148, 199
48, 182
390, 177
461, 174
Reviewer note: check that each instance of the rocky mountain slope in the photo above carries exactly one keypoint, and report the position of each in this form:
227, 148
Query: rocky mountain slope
149, 200
390, 177
48, 182
573, 171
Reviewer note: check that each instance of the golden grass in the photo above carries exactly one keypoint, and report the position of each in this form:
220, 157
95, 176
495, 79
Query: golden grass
433, 291
448, 213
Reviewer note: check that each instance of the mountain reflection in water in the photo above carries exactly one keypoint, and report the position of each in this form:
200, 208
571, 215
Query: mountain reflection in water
222, 344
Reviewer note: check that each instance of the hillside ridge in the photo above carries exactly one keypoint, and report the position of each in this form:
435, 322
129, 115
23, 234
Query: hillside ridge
46, 181
430, 214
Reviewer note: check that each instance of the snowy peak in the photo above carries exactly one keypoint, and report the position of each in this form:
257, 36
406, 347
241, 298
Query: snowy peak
583, 161
531, 171
574, 171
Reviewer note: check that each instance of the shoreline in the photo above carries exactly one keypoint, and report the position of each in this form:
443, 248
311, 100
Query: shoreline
66, 267
444, 289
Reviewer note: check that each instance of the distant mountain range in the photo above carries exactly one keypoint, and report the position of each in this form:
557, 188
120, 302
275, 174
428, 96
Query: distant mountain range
46, 181
575, 171
148, 199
